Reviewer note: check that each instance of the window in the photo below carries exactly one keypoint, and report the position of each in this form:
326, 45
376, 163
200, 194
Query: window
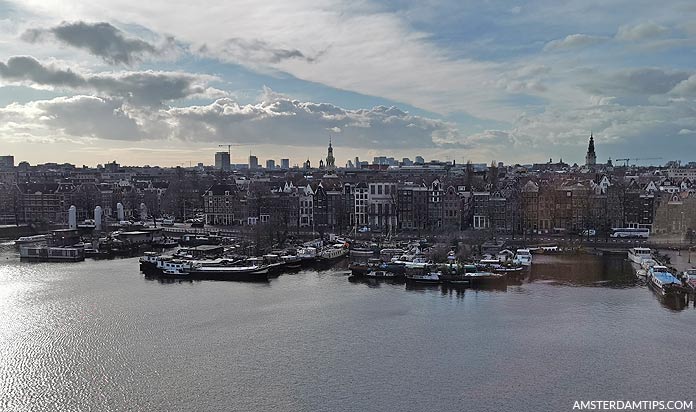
379, 189
372, 189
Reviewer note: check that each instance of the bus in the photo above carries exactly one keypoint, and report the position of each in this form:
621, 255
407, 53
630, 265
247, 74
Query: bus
629, 232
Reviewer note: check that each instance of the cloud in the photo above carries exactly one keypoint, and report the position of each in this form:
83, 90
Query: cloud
254, 51
286, 121
683, 132
140, 87
21, 68
686, 87
100, 39
574, 41
280, 121
642, 81
68, 118
640, 31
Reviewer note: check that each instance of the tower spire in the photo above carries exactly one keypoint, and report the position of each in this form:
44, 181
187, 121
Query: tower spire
330, 165
591, 156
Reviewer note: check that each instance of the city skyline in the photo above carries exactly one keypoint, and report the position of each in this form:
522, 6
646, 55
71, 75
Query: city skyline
165, 85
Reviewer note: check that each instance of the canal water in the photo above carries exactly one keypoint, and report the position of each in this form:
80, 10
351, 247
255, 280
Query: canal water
97, 335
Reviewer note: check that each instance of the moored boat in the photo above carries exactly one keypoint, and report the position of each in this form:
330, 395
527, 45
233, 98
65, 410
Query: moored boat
638, 254
331, 254
383, 274
662, 280
52, 254
425, 277
523, 257
26, 240
252, 273
307, 255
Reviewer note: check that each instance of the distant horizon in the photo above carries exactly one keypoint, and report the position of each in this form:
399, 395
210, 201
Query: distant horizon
162, 83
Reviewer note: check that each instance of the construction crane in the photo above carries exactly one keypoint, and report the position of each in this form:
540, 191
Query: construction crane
626, 160
229, 148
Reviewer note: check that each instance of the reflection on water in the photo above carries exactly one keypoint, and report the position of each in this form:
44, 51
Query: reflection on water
100, 336
584, 269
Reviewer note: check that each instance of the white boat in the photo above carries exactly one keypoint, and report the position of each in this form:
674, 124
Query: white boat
24, 240
425, 277
333, 252
647, 263
637, 254
381, 274
523, 257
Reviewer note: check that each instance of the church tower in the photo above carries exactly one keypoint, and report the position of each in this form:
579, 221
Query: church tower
330, 161
591, 157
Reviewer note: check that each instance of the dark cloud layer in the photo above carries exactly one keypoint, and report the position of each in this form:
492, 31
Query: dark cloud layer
140, 87
100, 39
255, 51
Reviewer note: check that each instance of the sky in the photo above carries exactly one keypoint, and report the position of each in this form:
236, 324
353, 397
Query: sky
165, 83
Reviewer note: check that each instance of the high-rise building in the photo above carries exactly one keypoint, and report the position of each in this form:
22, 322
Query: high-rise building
420, 160
270, 164
591, 157
285, 164
6, 162
253, 162
222, 160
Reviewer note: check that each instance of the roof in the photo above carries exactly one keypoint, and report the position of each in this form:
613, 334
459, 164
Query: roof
219, 189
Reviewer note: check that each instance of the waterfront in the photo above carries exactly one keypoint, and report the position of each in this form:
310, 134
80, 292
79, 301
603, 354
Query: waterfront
97, 335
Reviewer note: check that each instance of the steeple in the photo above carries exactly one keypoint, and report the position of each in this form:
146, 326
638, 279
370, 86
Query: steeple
330, 161
591, 157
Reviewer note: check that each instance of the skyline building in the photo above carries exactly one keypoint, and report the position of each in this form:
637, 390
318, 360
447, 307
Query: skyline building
591, 156
330, 161
6, 162
253, 162
222, 161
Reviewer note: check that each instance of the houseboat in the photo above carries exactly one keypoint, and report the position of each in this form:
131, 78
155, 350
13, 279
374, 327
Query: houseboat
662, 280
637, 254
52, 254
253, 273
471, 275
424, 277
383, 274
331, 254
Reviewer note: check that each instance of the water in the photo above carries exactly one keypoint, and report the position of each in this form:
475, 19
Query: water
99, 336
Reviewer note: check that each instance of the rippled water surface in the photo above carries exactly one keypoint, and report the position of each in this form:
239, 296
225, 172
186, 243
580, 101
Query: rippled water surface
97, 335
